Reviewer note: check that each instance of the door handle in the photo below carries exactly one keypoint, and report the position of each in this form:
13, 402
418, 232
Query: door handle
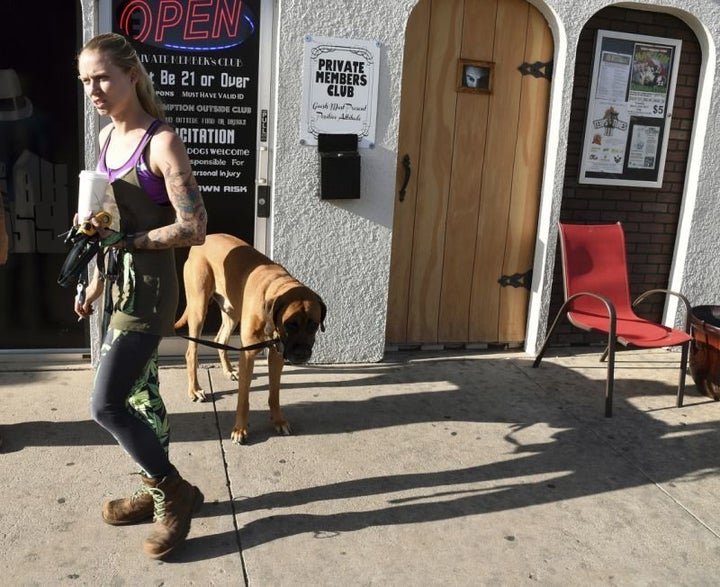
408, 173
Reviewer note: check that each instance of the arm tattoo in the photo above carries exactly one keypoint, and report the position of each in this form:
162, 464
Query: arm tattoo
191, 221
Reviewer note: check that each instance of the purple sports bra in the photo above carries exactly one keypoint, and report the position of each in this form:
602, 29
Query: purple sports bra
151, 183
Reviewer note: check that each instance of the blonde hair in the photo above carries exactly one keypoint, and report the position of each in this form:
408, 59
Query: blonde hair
123, 55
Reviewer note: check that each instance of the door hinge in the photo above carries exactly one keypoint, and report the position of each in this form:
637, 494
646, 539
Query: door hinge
537, 69
517, 280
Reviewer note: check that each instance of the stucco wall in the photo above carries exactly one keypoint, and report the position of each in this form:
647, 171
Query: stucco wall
339, 248
342, 248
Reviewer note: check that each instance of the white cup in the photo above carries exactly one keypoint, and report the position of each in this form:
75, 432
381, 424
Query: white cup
91, 193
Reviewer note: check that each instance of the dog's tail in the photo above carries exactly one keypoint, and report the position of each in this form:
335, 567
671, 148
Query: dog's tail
182, 321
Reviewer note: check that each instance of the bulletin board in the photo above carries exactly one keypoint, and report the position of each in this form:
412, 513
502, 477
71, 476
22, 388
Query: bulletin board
629, 109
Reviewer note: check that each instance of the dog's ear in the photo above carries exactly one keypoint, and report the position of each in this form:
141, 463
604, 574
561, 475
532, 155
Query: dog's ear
323, 313
271, 308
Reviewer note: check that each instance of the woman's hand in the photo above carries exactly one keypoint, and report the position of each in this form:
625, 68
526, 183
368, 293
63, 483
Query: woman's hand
108, 238
84, 303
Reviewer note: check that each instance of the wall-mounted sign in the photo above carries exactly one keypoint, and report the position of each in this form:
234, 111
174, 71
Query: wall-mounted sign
340, 87
629, 109
203, 59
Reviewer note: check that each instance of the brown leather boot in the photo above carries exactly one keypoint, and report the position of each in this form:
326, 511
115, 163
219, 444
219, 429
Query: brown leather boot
131, 510
175, 501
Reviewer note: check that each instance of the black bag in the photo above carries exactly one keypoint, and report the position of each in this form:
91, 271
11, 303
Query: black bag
83, 248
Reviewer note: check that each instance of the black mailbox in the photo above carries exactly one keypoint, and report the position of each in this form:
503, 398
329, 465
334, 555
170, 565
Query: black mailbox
339, 166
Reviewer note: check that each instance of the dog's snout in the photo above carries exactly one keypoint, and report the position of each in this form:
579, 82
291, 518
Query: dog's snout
298, 354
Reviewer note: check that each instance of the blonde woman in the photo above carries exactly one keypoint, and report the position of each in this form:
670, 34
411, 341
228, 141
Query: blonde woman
156, 206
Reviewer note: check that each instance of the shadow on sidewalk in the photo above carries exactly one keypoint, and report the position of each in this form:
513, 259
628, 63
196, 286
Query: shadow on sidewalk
583, 454
587, 454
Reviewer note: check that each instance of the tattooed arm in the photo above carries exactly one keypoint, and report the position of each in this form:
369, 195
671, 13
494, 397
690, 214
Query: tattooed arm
168, 157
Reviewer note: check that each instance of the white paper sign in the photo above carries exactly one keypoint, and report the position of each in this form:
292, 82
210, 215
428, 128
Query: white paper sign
340, 86
605, 151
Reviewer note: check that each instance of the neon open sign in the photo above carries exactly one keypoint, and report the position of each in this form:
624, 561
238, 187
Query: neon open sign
189, 25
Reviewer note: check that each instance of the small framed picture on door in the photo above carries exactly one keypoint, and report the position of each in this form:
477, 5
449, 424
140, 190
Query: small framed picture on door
474, 76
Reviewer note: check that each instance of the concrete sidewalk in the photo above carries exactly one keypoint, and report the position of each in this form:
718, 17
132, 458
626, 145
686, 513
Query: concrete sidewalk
466, 468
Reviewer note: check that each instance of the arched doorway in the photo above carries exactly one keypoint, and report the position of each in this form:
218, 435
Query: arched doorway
650, 216
470, 171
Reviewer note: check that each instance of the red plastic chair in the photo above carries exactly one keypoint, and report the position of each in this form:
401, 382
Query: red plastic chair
597, 298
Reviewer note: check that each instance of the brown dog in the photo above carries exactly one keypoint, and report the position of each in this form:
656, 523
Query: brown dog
265, 300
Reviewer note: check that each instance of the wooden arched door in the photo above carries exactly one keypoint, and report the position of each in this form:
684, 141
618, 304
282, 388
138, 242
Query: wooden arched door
465, 222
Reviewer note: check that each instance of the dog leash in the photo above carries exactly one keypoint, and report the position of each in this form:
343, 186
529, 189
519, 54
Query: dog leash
227, 347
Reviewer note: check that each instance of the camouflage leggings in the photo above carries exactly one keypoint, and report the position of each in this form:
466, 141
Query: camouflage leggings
126, 399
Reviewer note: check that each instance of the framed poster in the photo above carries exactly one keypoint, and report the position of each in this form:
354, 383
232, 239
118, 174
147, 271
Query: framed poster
629, 109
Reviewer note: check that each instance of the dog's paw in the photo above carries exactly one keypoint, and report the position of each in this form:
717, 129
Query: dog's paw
230, 372
282, 427
198, 395
239, 435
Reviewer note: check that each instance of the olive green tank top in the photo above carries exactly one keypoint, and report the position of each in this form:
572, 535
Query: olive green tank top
146, 293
